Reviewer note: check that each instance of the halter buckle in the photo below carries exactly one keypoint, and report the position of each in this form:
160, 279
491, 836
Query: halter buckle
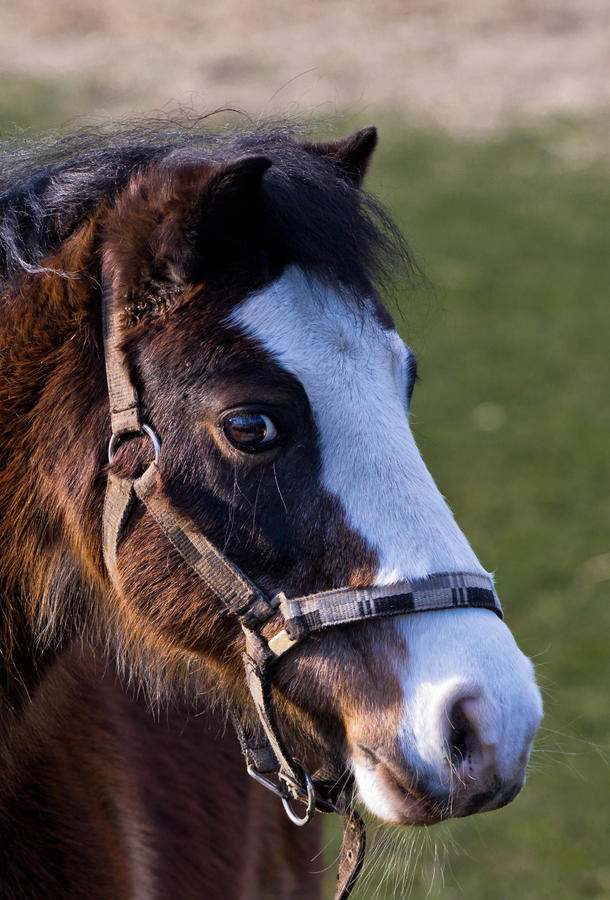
292, 791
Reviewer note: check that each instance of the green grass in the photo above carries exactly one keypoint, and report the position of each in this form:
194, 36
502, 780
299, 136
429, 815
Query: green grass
33, 105
513, 418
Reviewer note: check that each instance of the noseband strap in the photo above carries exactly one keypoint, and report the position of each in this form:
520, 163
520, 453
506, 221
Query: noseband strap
286, 621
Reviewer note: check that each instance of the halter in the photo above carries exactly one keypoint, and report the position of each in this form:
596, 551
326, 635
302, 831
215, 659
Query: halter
289, 621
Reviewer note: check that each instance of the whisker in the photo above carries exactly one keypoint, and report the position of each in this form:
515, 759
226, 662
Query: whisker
277, 484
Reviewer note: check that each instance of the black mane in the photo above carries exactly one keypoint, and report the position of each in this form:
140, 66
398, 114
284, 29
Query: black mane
323, 222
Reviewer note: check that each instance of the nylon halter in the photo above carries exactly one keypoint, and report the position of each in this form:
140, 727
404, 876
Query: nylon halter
289, 620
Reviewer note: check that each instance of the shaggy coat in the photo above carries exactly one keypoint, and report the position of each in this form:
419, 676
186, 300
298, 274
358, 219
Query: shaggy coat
244, 272
116, 778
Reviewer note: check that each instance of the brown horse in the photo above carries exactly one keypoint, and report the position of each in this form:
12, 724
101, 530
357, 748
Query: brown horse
244, 270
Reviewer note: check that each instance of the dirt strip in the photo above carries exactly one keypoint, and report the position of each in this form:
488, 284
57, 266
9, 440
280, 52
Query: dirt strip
468, 65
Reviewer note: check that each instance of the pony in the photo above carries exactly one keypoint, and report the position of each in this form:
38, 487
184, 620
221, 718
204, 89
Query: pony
244, 269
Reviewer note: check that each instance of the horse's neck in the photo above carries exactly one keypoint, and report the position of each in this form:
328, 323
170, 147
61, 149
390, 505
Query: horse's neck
99, 787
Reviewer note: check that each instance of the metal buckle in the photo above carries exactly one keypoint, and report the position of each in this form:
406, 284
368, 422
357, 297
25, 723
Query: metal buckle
295, 790
116, 439
292, 791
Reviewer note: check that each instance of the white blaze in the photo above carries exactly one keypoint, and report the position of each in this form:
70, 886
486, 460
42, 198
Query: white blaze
354, 372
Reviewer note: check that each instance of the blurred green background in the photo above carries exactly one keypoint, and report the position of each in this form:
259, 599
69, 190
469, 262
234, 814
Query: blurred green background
507, 212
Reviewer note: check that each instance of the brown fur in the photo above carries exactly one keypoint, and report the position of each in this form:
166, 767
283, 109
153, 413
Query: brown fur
103, 800
97, 797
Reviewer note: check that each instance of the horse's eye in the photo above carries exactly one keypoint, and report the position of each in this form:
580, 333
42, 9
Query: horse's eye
249, 430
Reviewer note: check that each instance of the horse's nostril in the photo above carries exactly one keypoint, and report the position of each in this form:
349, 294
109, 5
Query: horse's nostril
467, 749
461, 736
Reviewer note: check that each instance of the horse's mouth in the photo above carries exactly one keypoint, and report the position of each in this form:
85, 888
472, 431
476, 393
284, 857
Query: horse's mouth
416, 808
396, 798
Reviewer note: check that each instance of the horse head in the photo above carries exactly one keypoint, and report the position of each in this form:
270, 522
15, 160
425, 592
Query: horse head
280, 390
242, 276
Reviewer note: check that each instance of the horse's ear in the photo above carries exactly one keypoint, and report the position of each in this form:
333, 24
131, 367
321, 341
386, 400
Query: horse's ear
353, 153
232, 191
229, 204
173, 223
212, 214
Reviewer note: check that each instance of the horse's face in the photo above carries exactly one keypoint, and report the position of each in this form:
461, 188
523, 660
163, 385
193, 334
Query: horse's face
293, 451
439, 709
284, 417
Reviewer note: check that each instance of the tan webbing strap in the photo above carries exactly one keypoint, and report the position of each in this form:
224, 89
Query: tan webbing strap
117, 507
218, 573
124, 408
441, 590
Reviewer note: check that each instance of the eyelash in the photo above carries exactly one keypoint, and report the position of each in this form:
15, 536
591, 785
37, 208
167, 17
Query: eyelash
412, 376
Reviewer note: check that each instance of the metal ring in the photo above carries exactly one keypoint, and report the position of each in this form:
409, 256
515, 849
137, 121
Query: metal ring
266, 782
311, 800
116, 439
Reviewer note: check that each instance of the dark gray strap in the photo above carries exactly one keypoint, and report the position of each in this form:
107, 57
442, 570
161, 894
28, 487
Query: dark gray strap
258, 661
352, 852
444, 590
255, 747
219, 574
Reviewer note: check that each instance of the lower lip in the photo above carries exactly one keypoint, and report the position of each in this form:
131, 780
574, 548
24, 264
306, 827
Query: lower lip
410, 810
413, 812
407, 808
